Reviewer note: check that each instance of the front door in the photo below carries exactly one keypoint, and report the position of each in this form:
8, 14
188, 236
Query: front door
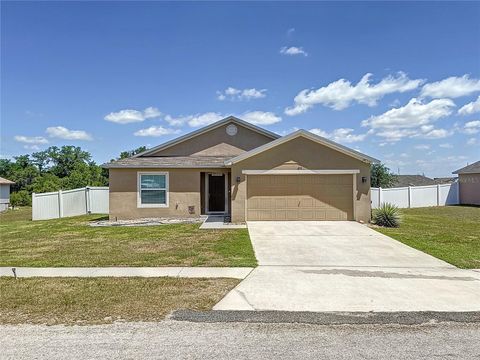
216, 192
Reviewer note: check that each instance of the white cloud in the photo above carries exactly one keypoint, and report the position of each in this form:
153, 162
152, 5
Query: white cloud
434, 134
64, 133
340, 94
451, 87
422, 147
204, 119
412, 115
131, 116
471, 141
231, 93
156, 131
472, 127
446, 146
176, 121
253, 117
293, 50
31, 139
341, 135
260, 117
470, 108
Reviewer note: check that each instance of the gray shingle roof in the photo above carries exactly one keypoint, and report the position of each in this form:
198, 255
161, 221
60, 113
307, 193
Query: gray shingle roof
469, 169
169, 162
412, 180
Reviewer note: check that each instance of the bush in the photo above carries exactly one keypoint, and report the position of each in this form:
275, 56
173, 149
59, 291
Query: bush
21, 198
387, 215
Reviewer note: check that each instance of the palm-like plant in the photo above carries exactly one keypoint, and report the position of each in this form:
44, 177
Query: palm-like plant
387, 215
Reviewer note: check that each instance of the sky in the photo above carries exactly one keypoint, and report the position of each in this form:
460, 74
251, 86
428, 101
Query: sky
396, 81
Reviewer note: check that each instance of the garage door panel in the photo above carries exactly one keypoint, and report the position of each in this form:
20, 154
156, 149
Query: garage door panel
299, 197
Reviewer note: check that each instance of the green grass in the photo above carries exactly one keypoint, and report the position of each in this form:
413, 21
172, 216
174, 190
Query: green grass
72, 242
450, 233
104, 300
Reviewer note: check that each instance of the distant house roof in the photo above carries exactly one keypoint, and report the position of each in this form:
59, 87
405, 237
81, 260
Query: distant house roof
469, 169
445, 180
412, 180
169, 162
5, 181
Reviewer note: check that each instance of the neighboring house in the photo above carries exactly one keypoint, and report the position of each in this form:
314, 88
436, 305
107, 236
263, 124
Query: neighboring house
469, 181
412, 180
445, 180
237, 169
5, 193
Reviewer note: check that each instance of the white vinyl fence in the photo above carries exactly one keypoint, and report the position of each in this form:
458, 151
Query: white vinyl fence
58, 204
417, 196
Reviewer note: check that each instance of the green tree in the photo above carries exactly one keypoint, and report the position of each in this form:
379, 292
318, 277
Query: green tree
46, 182
65, 159
381, 176
129, 153
21, 198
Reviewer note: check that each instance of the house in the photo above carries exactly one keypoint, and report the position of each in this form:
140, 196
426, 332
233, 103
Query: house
412, 180
240, 170
469, 182
5, 193
445, 180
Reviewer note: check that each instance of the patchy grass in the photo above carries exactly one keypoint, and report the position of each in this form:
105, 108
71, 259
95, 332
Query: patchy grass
450, 233
104, 300
72, 242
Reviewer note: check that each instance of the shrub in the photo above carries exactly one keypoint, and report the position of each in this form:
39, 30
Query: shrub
387, 215
21, 198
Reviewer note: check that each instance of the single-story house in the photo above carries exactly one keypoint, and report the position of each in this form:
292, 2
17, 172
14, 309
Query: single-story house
469, 182
5, 193
412, 180
240, 170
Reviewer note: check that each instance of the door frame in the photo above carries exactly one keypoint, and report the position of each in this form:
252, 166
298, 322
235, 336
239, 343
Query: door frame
207, 211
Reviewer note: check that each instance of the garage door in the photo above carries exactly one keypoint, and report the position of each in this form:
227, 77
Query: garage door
299, 197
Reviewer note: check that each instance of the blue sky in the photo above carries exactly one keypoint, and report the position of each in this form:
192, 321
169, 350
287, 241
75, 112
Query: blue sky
398, 81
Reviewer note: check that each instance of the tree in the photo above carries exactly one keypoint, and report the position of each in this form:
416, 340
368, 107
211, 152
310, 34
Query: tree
68, 167
128, 153
66, 158
381, 176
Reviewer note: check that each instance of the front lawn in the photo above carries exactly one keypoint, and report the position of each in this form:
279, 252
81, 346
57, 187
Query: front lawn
72, 242
104, 300
450, 233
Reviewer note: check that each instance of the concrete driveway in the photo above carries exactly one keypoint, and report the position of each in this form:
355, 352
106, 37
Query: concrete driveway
346, 266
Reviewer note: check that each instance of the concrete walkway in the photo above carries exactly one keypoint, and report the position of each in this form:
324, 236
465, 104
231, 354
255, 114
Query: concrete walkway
184, 272
348, 267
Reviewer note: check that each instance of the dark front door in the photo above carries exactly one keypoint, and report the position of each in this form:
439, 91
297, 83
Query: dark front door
216, 193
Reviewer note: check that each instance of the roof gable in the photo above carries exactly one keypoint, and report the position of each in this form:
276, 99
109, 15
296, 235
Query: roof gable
206, 129
469, 169
308, 135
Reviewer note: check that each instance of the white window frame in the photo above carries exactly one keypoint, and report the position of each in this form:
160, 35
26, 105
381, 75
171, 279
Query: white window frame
139, 189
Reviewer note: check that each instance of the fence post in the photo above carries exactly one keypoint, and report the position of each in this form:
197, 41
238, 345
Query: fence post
409, 197
379, 196
87, 200
60, 203
438, 194
33, 206
458, 191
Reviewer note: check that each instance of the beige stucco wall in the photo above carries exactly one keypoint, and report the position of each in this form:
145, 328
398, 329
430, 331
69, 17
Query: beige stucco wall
184, 191
308, 155
217, 143
469, 189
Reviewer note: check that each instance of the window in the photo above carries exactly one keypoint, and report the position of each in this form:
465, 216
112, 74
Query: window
152, 189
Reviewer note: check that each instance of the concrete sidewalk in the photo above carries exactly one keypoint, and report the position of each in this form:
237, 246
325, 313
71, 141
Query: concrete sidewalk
185, 272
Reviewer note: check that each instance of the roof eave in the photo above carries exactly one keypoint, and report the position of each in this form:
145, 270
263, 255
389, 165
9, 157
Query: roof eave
309, 135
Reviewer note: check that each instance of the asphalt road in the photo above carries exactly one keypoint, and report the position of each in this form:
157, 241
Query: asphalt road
186, 340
